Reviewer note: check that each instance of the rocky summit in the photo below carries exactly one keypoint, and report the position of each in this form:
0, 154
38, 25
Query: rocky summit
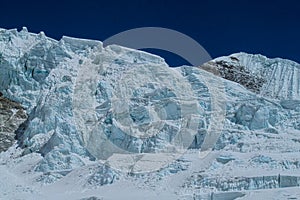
94, 122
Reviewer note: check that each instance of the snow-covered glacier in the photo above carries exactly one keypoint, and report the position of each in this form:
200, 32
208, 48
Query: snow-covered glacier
90, 116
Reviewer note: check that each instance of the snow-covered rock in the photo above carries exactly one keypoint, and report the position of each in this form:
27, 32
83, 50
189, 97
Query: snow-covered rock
12, 115
276, 78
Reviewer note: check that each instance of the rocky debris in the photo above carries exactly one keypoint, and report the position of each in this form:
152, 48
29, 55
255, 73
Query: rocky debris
236, 73
12, 115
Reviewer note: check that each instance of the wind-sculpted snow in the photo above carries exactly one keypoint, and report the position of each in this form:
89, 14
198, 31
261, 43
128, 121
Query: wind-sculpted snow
105, 114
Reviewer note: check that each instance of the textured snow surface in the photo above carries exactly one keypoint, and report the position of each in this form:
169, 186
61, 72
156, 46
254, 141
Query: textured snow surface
100, 118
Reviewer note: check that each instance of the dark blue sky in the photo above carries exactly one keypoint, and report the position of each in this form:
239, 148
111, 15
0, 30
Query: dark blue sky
271, 28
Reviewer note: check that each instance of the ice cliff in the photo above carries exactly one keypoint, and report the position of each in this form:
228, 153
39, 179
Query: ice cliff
84, 102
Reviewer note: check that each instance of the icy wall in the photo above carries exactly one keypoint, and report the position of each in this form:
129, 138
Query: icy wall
85, 101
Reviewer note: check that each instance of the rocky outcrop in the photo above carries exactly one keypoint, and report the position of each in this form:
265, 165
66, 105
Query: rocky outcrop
236, 73
274, 78
12, 115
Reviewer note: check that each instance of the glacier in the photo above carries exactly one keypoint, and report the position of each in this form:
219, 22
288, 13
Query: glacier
95, 116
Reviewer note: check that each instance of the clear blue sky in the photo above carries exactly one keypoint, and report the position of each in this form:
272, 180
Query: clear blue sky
271, 28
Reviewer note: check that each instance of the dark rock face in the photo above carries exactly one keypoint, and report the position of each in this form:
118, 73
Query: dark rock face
11, 116
235, 73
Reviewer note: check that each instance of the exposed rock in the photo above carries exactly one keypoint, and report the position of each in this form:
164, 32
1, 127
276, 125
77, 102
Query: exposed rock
236, 73
275, 78
12, 115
